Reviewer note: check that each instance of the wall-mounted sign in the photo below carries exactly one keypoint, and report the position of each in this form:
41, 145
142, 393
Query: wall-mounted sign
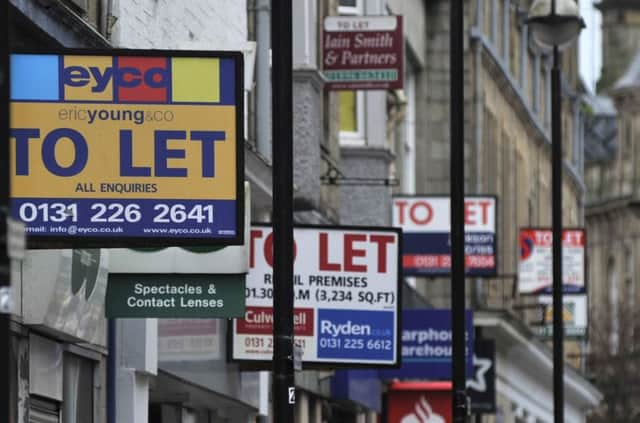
574, 316
419, 402
121, 148
64, 291
361, 386
535, 270
481, 383
426, 227
181, 340
426, 345
201, 296
346, 289
363, 52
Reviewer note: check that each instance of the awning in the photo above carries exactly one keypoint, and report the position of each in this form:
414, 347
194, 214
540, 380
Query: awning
169, 388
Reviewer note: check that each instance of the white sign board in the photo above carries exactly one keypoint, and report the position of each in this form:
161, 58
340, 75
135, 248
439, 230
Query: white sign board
535, 270
426, 228
346, 297
574, 316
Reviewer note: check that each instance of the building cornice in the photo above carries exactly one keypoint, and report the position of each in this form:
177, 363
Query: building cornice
60, 22
534, 358
608, 206
383, 154
618, 5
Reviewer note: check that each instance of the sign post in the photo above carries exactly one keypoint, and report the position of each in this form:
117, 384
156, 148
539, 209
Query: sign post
5, 283
283, 389
456, 166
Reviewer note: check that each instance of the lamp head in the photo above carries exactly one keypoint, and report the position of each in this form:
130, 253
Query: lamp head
557, 27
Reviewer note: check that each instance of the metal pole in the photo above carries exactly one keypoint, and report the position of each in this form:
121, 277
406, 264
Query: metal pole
282, 147
263, 77
457, 212
556, 204
5, 274
112, 362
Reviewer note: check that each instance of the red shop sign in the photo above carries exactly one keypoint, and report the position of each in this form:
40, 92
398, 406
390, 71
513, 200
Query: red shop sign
419, 402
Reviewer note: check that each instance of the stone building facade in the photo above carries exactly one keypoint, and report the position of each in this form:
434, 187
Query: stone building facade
612, 218
620, 38
507, 129
508, 155
400, 144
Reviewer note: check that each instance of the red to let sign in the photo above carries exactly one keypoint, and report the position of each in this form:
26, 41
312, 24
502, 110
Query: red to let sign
363, 52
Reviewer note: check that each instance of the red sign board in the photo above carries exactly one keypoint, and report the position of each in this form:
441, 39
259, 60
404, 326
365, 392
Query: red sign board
418, 402
363, 52
259, 320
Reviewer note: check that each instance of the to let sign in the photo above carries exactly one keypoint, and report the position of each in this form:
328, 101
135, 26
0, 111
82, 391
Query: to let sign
535, 268
346, 297
363, 52
426, 227
120, 148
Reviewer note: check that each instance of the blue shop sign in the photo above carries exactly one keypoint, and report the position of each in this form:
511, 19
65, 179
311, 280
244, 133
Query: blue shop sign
426, 345
361, 386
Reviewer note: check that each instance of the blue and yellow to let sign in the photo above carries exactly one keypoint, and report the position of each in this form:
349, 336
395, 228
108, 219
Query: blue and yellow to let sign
118, 149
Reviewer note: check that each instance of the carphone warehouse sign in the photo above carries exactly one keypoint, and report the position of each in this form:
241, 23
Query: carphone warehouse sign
346, 297
121, 148
426, 345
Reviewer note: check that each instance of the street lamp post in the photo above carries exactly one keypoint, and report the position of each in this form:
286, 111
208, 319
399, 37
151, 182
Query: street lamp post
283, 392
5, 283
555, 24
458, 296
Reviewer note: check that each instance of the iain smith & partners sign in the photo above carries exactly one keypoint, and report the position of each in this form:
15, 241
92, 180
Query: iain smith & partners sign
363, 52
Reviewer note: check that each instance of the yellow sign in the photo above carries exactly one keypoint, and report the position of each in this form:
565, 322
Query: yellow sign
127, 146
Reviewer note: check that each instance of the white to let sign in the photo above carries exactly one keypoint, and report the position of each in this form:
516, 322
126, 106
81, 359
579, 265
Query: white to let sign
535, 270
345, 297
426, 227
574, 316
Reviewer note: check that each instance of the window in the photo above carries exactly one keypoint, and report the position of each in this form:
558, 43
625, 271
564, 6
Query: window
351, 117
351, 103
613, 305
408, 153
43, 411
78, 390
350, 7
630, 289
94, 12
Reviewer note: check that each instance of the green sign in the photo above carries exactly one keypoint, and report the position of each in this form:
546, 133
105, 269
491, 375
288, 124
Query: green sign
175, 296
362, 75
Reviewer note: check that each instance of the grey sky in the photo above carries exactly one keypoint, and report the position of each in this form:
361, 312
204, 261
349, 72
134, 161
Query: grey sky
590, 44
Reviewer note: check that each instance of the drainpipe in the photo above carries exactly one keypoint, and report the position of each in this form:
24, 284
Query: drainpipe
476, 45
263, 77
112, 362
263, 399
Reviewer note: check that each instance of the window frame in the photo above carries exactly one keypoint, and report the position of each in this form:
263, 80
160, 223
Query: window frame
354, 138
358, 9
357, 137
